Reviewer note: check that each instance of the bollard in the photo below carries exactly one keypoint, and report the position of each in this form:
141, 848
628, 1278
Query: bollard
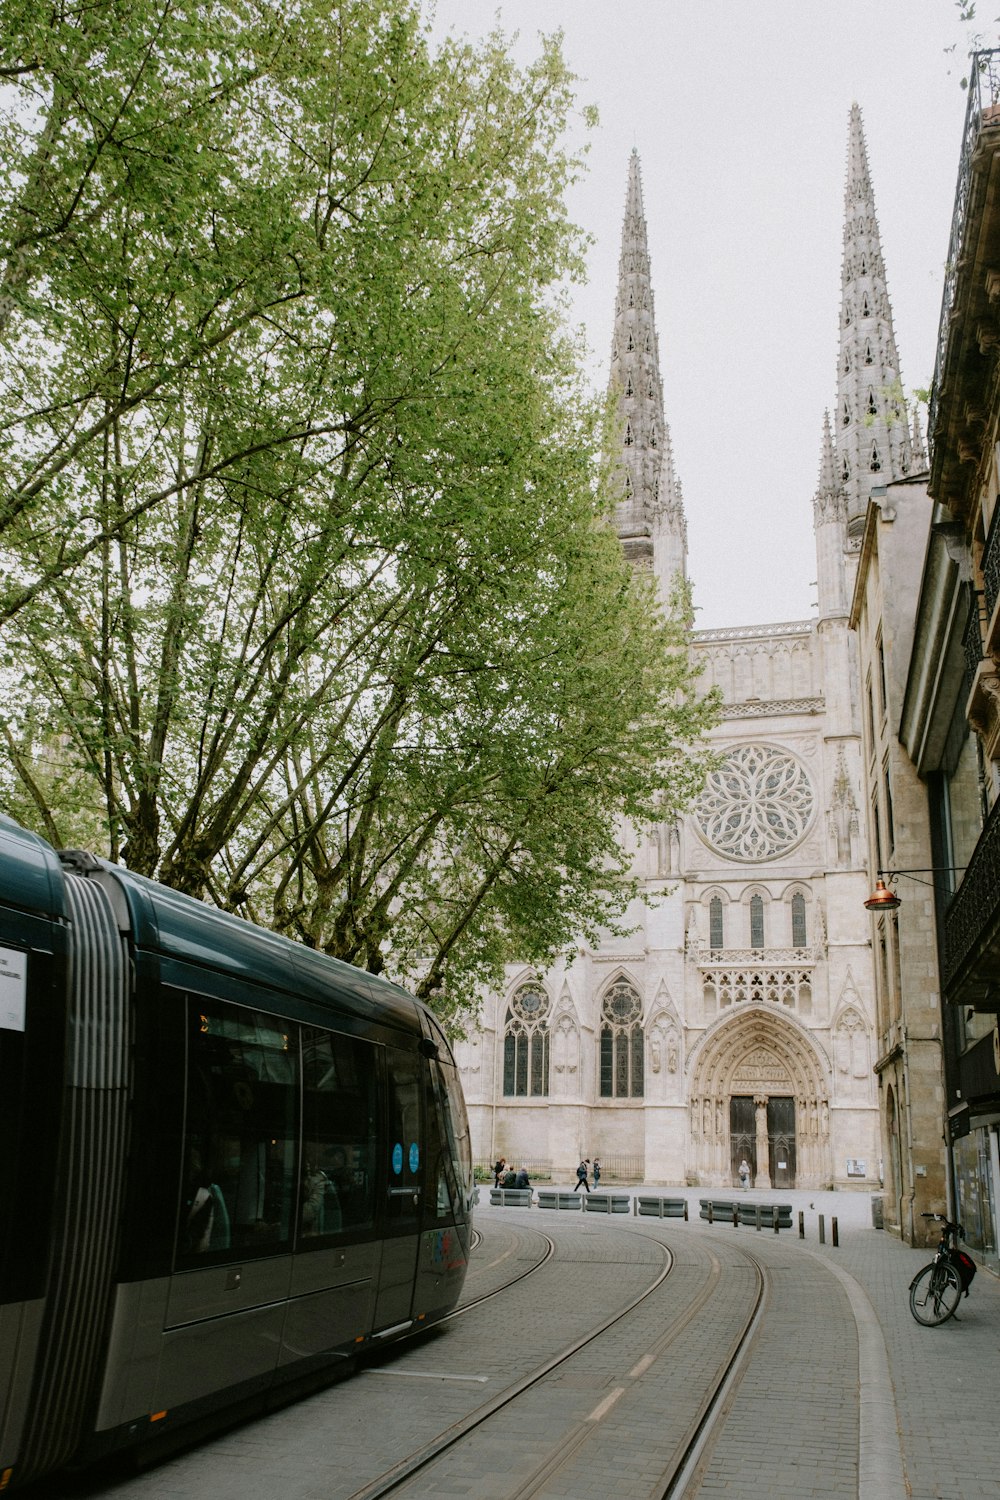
710, 1219
685, 1211
802, 1225
736, 1216
833, 1226
777, 1218
822, 1230
757, 1217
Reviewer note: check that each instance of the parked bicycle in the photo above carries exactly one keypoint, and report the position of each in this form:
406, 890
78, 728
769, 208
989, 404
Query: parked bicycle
936, 1291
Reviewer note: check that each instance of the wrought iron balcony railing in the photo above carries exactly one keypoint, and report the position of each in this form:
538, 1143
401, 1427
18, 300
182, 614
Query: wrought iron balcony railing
991, 564
974, 910
972, 640
984, 95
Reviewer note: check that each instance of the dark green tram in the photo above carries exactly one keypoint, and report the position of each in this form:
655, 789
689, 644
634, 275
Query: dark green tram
228, 1164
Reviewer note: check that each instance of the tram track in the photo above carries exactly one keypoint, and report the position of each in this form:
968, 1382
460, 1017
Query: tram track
395, 1478
572, 1445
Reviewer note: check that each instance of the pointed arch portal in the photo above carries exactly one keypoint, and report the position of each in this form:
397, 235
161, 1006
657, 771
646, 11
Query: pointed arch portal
760, 1092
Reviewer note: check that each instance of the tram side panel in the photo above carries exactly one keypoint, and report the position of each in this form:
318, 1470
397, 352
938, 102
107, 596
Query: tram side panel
295, 1171
32, 1025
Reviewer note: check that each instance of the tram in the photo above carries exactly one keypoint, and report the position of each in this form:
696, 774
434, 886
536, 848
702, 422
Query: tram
228, 1164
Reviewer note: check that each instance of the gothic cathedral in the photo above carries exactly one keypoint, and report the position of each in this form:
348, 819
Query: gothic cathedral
737, 1021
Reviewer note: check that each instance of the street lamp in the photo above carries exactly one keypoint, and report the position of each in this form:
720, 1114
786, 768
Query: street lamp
883, 899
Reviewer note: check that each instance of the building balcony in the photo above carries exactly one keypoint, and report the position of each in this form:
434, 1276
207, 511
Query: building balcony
969, 330
970, 960
755, 958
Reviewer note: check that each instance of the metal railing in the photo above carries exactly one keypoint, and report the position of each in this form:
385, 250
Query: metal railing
991, 563
972, 639
975, 908
617, 1167
984, 94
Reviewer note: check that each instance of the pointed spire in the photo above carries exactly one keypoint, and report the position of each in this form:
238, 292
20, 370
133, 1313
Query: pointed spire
830, 502
873, 437
917, 442
651, 496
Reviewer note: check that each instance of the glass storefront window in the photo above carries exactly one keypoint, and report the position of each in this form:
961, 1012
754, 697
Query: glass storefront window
974, 1186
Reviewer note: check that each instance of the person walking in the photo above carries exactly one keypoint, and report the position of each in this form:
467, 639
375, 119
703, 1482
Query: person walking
744, 1174
582, 1173
597, 1171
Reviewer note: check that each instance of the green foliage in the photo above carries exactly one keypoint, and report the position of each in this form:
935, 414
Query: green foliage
308, 605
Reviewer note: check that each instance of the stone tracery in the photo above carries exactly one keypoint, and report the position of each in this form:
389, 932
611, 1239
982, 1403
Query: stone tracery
757, 805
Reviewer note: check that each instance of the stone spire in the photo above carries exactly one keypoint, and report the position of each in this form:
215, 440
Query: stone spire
917, 442
649, 517
873, 436
830, 523
830, 501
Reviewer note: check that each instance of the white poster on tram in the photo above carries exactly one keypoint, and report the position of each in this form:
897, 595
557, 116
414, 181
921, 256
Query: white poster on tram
13, 986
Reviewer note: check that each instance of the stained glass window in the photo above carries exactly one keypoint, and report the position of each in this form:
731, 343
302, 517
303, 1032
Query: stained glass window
622, 1073
756, 922
798, 920
526, 1044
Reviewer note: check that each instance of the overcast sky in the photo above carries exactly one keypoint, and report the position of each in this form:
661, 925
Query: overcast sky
739, 111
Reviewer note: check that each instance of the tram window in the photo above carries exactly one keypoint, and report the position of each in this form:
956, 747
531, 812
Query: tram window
445, 1155
339, 1105
239, 1143
405, 1144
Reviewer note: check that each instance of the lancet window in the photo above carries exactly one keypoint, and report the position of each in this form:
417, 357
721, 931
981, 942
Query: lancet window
876, 463
526, 1044
715, 929
798, 920
622, 1058
756, 922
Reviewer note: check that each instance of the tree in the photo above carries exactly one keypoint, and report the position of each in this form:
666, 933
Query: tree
307, 586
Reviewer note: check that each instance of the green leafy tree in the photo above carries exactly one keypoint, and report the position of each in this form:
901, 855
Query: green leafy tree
306, 585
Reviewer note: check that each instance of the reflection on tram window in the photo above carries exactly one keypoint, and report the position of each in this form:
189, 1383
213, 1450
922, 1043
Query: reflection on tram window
339, 1124
445, 1198
240, 1132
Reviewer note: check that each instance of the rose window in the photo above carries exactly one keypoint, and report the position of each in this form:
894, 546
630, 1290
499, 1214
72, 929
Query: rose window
530, 1004
756, 805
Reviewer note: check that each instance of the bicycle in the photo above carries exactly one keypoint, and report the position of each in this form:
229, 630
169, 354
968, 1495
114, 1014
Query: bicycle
936, 1290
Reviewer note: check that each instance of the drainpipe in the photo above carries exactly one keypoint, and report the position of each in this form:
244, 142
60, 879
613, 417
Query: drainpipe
909, 1126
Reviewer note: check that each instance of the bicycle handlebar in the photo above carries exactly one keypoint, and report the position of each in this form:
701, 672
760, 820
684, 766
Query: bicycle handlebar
947, 1224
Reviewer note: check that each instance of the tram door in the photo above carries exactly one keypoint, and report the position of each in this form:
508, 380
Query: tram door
404, 1177
781, 1141
742, 1136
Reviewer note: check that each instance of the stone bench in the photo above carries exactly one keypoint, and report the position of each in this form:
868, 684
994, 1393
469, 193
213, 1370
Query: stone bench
749, 1214
510, 1197
730, 1210
662, 1208
552, 1198
606, 1203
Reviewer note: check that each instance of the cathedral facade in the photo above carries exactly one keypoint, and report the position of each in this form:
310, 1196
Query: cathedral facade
737, 1021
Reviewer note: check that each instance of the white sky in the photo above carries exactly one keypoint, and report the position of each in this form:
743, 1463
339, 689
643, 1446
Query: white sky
739, 111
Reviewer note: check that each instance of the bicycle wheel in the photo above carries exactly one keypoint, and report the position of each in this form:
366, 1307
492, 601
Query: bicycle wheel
935, 1293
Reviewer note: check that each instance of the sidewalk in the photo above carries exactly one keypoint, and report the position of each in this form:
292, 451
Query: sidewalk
929, 1428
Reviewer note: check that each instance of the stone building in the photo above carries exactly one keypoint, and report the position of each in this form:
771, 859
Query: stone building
739, 1018
950, 715
909, 1061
